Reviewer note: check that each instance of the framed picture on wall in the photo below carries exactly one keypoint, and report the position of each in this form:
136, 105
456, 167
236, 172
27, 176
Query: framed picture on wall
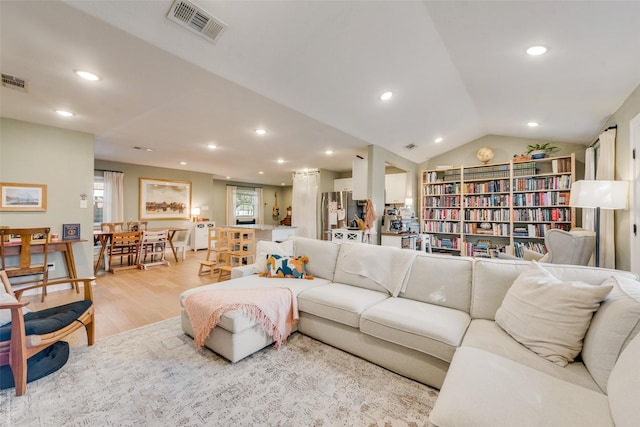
164, 199
23, 197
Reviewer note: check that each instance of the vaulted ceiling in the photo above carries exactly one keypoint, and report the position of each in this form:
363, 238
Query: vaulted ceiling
311, 74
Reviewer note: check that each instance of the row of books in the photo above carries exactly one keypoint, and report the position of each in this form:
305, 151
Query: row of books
437, 189
531, 230
496, 229
561, 165
483, 249
445, 243
532, 246
441, 214
493, 186
550, 198
442, 201
492, 200
542, 214
562, 182
441, 227
486, 215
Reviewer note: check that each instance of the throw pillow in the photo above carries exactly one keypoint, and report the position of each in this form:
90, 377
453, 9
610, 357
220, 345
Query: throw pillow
548, 316
614, 325
264, 248
287, 267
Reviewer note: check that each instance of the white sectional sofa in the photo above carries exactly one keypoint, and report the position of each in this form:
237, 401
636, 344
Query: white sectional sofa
432, 318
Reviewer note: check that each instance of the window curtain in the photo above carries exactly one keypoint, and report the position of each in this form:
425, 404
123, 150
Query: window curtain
304, 201
606, 171
588, 214
231, 204
113, 210
259, 209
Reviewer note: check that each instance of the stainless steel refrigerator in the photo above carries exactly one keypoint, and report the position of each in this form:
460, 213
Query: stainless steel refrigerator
338, 210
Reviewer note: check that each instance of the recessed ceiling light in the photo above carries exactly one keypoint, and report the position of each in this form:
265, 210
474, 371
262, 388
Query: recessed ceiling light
65, 113
533, 124
228, 177
536, 50
280, 161
87, 75
261, 131
148, 149
183, 163
261, 173
438, 140
328, 152
212, 146
386, 96
282, 183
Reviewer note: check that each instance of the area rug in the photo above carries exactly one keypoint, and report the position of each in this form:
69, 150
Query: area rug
154, 376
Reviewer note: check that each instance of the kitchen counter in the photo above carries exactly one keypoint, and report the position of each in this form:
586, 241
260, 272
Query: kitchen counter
274, 233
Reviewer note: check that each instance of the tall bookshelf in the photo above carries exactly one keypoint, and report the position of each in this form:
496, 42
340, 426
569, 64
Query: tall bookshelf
482, 210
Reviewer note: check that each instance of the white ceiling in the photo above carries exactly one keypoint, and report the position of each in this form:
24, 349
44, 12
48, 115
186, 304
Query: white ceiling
311, 72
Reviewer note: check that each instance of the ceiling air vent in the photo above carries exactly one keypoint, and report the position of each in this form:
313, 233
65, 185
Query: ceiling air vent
410, 146
196, 20
13, 82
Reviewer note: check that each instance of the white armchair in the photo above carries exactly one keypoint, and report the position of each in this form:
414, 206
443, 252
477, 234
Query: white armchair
563, 247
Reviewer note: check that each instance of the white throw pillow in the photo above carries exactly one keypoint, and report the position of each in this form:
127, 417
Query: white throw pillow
615, 324
264, 248
548, 316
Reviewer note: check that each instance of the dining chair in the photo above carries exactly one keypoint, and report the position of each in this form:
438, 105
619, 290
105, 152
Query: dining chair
126, 246
137, 225
181, 241
26, 265
112, 227
154, 246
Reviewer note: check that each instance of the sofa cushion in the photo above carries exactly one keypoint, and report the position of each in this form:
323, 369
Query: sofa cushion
428, 328
339, 302
615, 323
379, 268
492, 279
483, 389
322, 255
487, 335
441, 280
624, 386
264, 248
548, 316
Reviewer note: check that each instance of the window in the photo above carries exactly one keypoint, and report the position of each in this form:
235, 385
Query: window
98, 200
245, 206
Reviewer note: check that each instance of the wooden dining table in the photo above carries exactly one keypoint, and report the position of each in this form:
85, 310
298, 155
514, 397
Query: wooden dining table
104, 237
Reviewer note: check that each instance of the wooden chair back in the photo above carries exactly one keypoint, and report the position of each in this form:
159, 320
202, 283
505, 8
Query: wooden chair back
137, 226
25, 265
124, 245
154, 245
112, 227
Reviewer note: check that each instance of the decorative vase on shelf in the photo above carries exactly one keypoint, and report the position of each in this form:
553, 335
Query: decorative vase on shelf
538, 154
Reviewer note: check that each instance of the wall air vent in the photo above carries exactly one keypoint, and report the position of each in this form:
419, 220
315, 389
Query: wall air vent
16, 83
196, 20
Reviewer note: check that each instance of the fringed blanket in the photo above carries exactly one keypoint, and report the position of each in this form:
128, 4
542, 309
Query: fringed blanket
275, 309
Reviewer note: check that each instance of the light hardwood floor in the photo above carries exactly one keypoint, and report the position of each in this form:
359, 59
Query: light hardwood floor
133, 298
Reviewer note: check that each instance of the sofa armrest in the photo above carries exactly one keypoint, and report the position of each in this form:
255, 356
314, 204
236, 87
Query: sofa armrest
242, 271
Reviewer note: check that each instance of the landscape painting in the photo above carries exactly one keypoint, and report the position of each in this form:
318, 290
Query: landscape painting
164, 199
23, 197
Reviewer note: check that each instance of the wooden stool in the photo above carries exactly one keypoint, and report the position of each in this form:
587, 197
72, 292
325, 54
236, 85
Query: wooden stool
242, 250
216, 251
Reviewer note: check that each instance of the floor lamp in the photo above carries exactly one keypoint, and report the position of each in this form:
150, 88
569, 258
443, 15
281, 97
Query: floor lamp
599, 194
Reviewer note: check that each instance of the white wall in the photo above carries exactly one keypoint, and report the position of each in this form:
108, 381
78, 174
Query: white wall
61, 159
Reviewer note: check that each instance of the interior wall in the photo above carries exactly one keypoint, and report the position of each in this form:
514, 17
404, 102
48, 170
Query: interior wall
622, 118
63, 160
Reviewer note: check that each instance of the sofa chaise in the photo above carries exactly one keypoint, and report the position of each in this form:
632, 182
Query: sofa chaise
432, 318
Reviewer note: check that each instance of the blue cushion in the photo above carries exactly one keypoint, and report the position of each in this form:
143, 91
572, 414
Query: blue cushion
39, 365
48, 320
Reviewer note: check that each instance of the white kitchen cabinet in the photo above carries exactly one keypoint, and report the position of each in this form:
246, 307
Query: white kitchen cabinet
395, 186
343, 184
200, 235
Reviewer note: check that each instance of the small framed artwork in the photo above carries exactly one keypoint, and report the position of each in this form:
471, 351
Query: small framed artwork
164, 199
70, 231
23, 197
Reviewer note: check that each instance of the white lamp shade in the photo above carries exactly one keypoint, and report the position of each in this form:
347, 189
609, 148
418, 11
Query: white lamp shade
599, 194
195, 211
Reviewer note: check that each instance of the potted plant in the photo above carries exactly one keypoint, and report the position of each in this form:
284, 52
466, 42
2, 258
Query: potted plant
539, 151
